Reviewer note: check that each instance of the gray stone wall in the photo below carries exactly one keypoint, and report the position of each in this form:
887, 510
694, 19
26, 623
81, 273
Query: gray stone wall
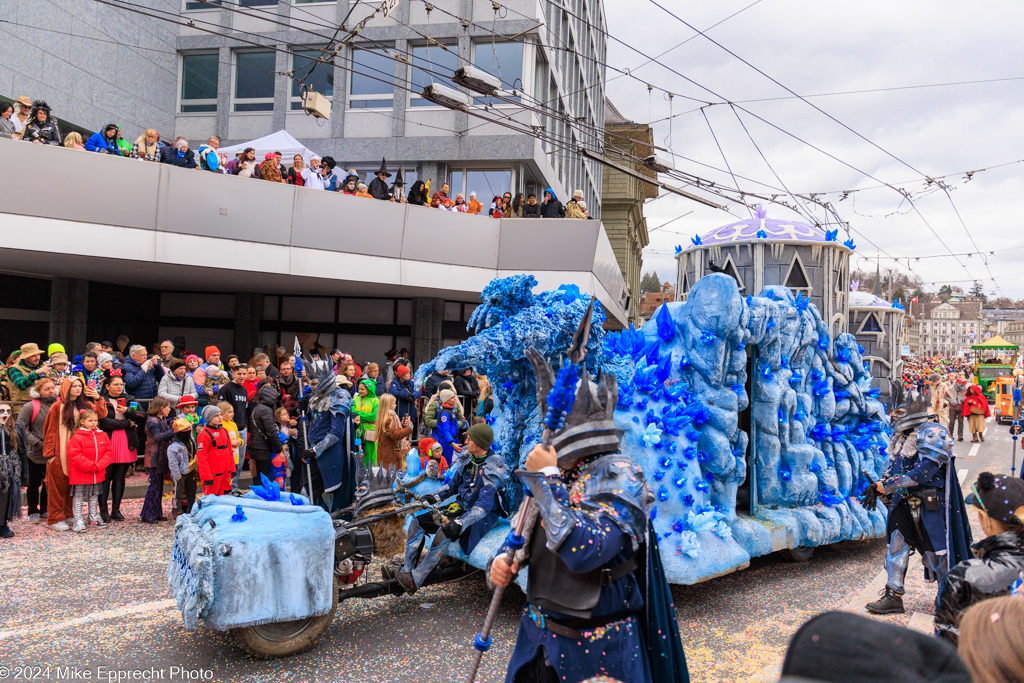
123, 68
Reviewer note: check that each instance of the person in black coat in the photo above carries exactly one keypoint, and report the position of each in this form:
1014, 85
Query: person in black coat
431, 383
468, 390
552, 208
264, 443
531, 209
40, 127
178, 155
418, 194
999, 557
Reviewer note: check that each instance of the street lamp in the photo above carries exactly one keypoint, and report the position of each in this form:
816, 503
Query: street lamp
477, 80
446, 97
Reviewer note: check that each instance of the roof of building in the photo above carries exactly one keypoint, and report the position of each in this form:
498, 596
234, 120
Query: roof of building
612, 114
867, 300
775, 230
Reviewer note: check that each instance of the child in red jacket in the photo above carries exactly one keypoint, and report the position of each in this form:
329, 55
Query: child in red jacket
215, 457
89, 453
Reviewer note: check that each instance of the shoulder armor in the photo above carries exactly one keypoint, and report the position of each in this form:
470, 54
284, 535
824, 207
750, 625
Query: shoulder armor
934, 442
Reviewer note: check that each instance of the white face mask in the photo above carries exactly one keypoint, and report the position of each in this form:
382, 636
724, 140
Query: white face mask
5, 414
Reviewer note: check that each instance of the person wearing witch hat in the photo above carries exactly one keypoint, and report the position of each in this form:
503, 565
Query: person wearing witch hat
398, 189
379, 186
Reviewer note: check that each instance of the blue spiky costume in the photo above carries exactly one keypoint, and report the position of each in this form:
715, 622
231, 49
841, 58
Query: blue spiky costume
597, 598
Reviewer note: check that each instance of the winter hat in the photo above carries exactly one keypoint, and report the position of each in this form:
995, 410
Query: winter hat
999, 497
843, 647
210, 350
191, 356
425, 444
181, 144
210, 412
578, 194
446, 396
268, 156
54, 348
402, 371
482, 435
103, 358
187, 400
180, 424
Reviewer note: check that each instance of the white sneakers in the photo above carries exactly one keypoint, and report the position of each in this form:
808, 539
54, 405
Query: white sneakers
79, 526
59, 526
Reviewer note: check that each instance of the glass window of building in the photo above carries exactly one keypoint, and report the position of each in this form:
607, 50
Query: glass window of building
195, 4
320, 79
371, 85
504, 60
487, 184
431, 64
254, 81
199, 82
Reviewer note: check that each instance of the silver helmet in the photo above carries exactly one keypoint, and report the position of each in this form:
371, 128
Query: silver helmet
912, 410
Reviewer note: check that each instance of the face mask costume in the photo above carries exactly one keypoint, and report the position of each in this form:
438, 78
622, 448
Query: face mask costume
926, 506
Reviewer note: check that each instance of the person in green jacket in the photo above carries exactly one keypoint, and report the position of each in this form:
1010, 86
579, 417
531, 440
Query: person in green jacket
430, 411
364, 409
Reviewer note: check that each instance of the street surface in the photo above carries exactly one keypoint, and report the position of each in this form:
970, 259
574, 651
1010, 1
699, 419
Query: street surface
99, 601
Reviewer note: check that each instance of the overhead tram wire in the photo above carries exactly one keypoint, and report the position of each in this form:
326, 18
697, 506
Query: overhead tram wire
722, 152
144, 11
827, 115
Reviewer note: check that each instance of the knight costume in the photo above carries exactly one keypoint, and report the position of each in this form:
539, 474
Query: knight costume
926, 506
478, 484
597, 598
331, 438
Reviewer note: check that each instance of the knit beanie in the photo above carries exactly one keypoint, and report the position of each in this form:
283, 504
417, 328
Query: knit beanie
181, 144
446, 395
482, 435
402, 371
424, 445
210, 412
210, 350
54, 348
103, 358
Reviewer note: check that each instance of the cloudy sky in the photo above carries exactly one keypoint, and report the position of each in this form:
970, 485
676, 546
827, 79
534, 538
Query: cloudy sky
823, 47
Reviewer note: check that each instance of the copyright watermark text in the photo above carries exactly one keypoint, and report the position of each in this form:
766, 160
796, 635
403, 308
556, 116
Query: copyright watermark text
104, 674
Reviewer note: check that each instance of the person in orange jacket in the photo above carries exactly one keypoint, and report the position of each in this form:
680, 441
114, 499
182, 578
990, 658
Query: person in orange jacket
89, 452
214, 456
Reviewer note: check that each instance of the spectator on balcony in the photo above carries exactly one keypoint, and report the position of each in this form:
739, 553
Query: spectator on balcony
294, 174
418, 193
378, 188
551, 208
330, 179
243, 163
531, 209
147, 146
438, 197
269, 170
6, 126
40, 128
179, 155
312, 176
351, 184
573, 209
74, 141
22, 111
105, 141
362, 191
506, 205
460, 204
497, 209
474, 205
516, 210
208, 159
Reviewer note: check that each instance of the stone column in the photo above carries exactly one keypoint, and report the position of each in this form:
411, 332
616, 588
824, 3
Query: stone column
427, 321
69, 313
248, 316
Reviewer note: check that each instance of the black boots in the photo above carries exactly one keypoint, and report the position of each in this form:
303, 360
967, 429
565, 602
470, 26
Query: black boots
104, 515
890, 603
115, 514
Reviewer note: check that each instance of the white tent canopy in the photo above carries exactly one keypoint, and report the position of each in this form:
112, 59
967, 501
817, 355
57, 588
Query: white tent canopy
280, 141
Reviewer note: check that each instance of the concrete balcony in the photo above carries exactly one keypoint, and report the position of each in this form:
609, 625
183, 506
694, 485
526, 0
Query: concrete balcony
84, 215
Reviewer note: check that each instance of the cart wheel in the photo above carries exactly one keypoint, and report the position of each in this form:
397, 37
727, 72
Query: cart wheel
801, 554
269, 641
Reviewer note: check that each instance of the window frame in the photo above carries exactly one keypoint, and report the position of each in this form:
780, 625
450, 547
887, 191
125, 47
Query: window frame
181, 81
525, 74
297, 51
235, 101
351, 97
415, 99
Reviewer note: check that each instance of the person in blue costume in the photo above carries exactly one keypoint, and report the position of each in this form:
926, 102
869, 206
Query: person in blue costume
478, 479
926, 505
597, 599
331, 438
446, 432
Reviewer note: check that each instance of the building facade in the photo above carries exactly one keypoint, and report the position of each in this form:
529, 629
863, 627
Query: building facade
178, 77
949, 330
649, 301
622, 202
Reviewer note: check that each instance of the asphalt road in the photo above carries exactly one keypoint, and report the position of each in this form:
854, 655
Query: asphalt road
98, 604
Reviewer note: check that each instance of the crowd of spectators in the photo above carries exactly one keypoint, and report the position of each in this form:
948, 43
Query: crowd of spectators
152, 407
917, 369
33, 122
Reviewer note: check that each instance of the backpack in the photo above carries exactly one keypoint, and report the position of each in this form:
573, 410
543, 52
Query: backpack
36, 407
